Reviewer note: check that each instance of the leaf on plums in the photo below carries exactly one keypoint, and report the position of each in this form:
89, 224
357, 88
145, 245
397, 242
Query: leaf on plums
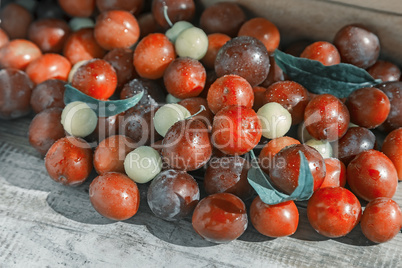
101, 108
339, 80
269, 195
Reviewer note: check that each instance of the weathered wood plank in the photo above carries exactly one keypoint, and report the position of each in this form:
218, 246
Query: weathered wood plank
44, 223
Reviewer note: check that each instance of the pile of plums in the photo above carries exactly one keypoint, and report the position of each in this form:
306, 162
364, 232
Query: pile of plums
212, 93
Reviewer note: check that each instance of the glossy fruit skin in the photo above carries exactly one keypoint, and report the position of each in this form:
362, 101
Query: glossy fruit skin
15, 20
357, 46
274, 220
385, 70
393, 90
392, 148
153, 55
45, 129
372, 174
215, 42
116, 29
69, 161
78, 8
154, 95
18, 54
284, 173
185, 78
114, 196
326, 118
236, 130
220, 218
368, 107
263, 30
333, 211
48, 94
173, 195
138, 125
48, 66
186, 145
177, 11
266, 157
291, 95
49, 34
230, 90
244, 56
81, 45
335, 173
355, 141
121, 60
96, 78
110, 154
381, 220
322, 51
228, 175
15, 94
224, 17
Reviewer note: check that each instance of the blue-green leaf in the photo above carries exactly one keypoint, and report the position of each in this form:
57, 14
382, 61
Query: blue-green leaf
101, 108
339, 80
269, 195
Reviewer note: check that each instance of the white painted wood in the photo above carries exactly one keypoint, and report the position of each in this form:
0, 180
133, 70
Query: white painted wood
43, 224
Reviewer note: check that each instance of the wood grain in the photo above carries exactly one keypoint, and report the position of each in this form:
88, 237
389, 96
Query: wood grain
43, 223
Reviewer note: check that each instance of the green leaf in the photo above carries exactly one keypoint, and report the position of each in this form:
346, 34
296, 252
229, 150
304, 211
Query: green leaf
101, 108
339, 80
269, 195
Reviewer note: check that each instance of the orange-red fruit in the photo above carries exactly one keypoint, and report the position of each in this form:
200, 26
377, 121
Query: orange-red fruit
392, 147
385, 70
114, 196
368, 107
274, 220
236, 130
263, 30
96, 78
230, 90
81, 45
372, 174
69, 161
215, 42
333, 211
291, 95
153, 55
45, 129
335, 173
116, 29
326, 118
18, 54
110, 154
220, 218
185, 78
322, 51
381, 220
271, 149
48, 66
187, 145
49, 34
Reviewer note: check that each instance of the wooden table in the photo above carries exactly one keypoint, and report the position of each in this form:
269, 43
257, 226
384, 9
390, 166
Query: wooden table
43, 224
